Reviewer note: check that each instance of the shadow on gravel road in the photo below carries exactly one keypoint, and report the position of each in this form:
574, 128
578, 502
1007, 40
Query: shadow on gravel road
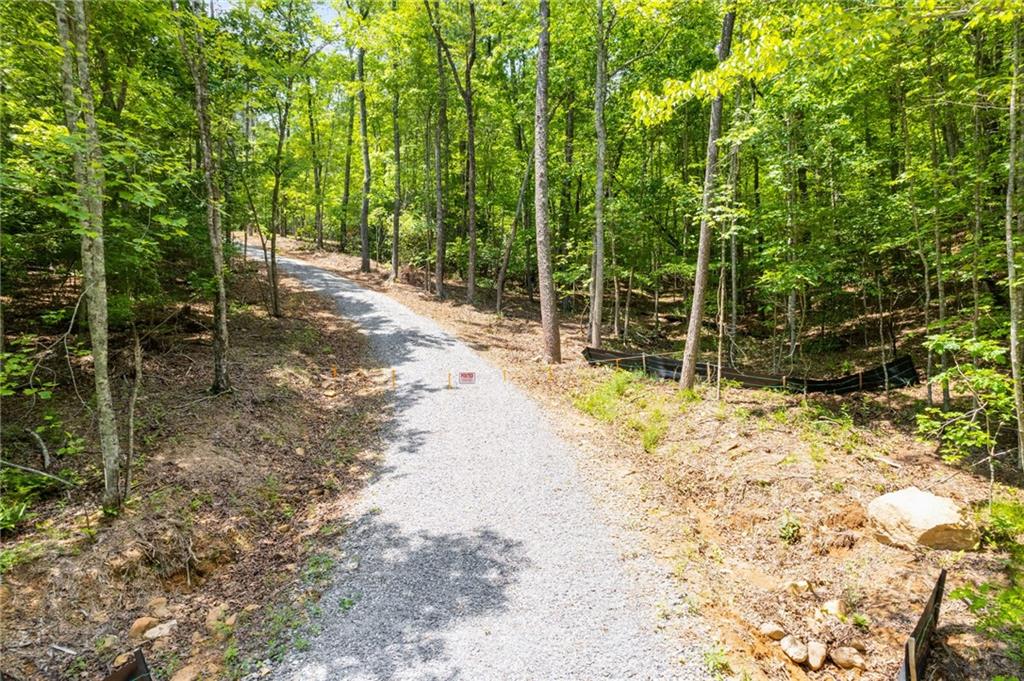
391, 610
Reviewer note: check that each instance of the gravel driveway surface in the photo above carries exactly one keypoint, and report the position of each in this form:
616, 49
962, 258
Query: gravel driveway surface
477, 552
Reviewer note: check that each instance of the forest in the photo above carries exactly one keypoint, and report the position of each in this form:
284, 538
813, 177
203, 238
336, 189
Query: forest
801, 188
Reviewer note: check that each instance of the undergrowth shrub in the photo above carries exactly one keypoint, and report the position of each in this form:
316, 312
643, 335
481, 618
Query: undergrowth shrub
1000, 607
20, 490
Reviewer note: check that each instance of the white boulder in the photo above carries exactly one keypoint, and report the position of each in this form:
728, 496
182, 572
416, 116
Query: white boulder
912, 517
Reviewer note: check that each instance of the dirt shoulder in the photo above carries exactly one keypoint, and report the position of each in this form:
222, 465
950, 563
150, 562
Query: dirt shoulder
222, 550
741, 497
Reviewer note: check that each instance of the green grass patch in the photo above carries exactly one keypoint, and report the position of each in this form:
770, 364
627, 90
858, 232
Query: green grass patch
605, 401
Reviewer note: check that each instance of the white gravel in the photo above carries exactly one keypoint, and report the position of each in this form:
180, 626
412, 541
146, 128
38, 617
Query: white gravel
477, 552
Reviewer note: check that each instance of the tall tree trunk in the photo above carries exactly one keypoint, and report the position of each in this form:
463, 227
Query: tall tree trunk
1011, 255
467, 96
600, 93
700, 284
364, 215
275, 198
442, 123
347, 190
396, 214
197, 66
88, 170
465, 88
545, 281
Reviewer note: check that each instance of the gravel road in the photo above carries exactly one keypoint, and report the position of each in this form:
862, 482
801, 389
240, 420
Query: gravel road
477, 552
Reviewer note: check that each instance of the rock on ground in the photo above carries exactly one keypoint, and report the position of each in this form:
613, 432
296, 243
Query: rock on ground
847, 658
912, 517
816, 652
794, 649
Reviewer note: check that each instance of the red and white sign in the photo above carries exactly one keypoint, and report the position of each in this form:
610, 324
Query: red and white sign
467, 378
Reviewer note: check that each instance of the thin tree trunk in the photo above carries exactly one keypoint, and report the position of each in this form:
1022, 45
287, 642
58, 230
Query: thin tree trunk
790, 240
465, 88
132, 400
545, 281
937, 239
88, 170
721, 321
507, 251
629, 296
978, 170
275, 201
396, 214
197, 65
1011, 256
347, 190
734, 177
364, 215
317, 163
600, 93
915, 221
565, 209
427, 193
692, 350
467, 96
615, 290
442, 123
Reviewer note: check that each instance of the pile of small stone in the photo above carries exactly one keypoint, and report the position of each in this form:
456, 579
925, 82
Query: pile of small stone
814, 653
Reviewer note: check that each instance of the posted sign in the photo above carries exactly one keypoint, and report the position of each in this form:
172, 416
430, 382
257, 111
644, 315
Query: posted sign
467, 378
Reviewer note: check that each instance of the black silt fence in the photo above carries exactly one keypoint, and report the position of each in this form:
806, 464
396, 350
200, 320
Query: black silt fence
898, 373
919, 643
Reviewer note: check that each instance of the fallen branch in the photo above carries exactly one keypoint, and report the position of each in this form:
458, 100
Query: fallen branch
42, 447
37, 472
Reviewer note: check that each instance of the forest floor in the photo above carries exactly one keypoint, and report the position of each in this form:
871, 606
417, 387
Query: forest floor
237, 504
745, 495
